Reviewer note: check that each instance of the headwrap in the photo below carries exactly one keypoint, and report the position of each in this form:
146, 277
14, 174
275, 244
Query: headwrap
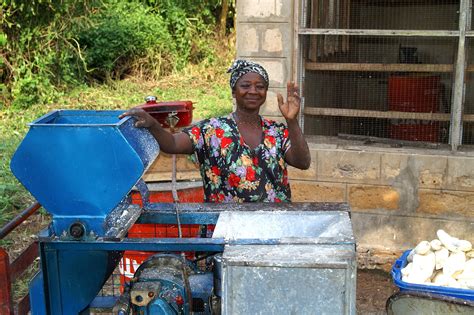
241, 67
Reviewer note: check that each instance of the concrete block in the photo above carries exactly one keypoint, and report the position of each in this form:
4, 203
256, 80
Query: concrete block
409, 172
264, 10
350, 166
248, 39
303, 191
391, 166
270, 107
278, 41
460, 174
431, 169
406, 182
273, 40
264, 40
278, 70
389, 232
446, 203
317, 143
362, 197
309, 174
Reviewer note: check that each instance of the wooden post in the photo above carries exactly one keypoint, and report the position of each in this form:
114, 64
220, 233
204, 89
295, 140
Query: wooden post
6, 304
313, 46
298, 74
457, 106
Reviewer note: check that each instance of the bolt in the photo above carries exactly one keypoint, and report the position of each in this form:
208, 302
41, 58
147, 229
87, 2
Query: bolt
77, 230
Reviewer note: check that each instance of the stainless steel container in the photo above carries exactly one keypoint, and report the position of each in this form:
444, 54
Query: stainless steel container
281, 262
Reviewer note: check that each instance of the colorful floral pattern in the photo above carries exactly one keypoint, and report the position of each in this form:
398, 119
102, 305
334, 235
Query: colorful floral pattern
231, 171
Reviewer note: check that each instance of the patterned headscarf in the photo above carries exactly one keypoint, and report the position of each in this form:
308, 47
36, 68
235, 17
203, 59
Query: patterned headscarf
241, 67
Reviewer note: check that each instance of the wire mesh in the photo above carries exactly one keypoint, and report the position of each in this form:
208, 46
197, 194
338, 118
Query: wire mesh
395, 87
468, 125
468, 133
377, 14
113, 285
383, 49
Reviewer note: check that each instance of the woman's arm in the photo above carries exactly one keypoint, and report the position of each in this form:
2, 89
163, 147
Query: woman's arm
298, 154
178, 143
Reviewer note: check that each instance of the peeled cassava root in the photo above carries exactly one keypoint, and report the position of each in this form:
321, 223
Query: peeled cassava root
446, 261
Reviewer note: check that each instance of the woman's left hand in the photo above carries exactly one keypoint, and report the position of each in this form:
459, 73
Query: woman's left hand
291, 107
298, 154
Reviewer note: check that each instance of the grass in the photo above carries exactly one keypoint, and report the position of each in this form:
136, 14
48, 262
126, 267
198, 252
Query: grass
13, 197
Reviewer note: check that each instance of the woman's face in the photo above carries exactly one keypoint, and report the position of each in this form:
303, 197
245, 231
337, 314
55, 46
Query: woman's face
250, 91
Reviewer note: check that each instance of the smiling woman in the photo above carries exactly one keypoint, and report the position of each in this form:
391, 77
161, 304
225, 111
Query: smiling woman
250, 93
243, 157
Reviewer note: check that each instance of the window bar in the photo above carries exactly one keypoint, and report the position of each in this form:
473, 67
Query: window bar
300, 71
367, 32
455, 132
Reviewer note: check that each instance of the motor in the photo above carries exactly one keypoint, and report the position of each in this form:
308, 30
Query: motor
169, 284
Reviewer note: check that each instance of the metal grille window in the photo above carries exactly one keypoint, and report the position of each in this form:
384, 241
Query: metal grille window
392, 69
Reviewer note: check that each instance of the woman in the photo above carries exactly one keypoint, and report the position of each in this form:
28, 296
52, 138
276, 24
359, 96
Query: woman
242, 156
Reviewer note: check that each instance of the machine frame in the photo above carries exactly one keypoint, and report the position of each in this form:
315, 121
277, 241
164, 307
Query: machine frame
160, 213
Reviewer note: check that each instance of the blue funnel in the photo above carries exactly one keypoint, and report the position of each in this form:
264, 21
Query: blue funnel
81, 164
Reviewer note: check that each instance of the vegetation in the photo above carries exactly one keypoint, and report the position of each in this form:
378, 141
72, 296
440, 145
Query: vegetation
106, 54
47, 46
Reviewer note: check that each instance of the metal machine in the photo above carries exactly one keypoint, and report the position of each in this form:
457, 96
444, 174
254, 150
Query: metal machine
81, 166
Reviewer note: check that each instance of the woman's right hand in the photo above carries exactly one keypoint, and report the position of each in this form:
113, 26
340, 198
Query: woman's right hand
179, 143
144, 120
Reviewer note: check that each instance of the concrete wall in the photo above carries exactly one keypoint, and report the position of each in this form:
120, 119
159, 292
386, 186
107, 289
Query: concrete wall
398, 196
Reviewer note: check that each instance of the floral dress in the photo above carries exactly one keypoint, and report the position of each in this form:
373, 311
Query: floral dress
232, 171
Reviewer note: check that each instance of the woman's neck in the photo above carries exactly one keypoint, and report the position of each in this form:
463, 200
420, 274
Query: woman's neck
247, 118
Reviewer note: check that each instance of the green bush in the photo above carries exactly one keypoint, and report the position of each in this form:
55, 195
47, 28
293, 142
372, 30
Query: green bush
48, 46
192, 24
123, 33
38, 49
149, 39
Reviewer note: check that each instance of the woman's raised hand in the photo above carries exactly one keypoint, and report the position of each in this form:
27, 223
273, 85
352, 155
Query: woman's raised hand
144, 120
291, 107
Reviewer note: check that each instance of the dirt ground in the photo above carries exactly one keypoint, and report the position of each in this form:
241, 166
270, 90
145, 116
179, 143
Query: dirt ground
374, 287
22, 236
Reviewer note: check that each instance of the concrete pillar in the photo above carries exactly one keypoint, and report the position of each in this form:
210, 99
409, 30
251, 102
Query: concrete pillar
265, 35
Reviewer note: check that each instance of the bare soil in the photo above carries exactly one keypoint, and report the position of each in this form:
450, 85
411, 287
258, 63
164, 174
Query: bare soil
24, 234
374, 287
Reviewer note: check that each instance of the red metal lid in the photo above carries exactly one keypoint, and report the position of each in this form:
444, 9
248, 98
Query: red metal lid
183, 110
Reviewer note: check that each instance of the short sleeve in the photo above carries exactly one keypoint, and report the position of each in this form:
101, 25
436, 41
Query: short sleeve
196, 134
286, 143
